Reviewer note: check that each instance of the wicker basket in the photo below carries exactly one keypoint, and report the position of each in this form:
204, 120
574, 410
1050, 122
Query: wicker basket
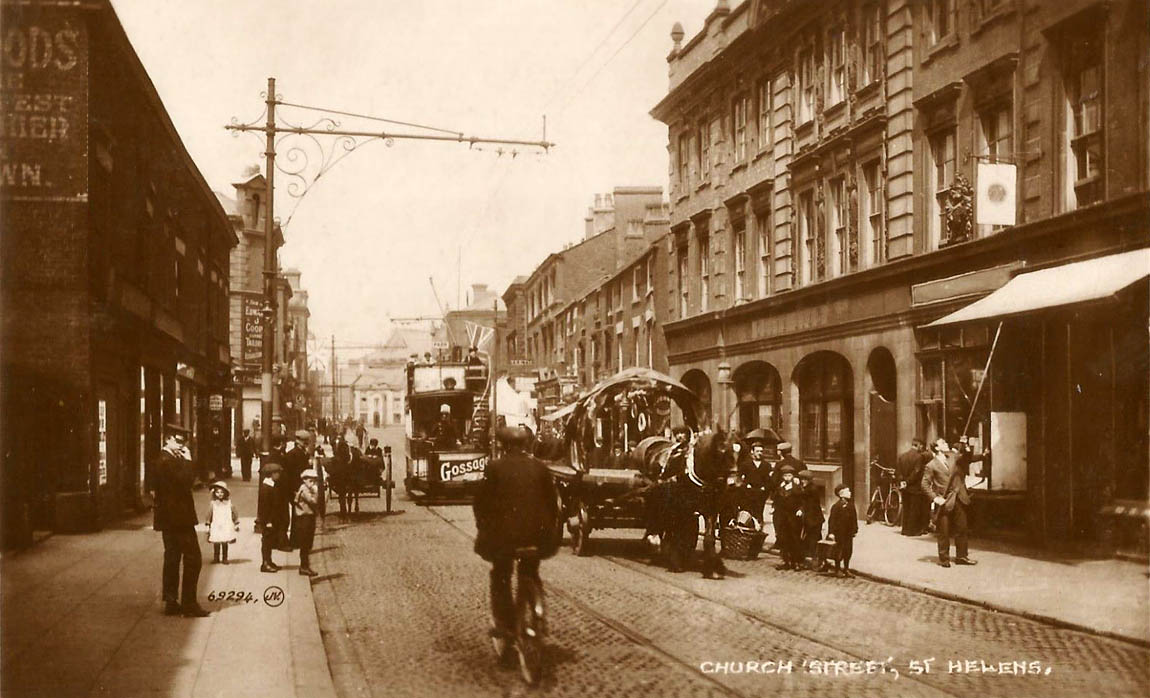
741, 543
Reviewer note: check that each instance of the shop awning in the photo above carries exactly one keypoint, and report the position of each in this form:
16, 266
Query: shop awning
559, 413
1078, 282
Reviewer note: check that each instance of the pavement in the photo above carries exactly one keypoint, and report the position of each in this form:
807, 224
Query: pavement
82, 616
1106, 596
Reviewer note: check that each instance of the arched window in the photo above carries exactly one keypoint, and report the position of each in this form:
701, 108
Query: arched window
698, 383
759, 393
824, 381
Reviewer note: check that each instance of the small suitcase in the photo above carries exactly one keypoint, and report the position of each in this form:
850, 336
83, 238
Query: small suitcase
825, 550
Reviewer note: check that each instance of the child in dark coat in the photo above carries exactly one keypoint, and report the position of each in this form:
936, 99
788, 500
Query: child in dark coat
810, 518
842, 528
271, 519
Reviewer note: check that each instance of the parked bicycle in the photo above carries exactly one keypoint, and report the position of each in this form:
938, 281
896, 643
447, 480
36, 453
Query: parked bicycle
530, 626
886, 500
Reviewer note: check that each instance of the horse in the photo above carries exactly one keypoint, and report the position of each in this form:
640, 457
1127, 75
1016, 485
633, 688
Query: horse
346, 476
700, 491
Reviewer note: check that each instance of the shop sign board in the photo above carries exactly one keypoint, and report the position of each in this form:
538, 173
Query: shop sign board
252, 333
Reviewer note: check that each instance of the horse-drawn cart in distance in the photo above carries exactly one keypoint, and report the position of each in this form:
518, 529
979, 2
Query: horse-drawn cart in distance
617, 440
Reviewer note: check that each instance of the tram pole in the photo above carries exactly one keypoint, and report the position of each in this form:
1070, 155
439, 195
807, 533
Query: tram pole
268, 311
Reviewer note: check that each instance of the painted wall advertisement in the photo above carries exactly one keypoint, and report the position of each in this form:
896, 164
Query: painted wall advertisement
252, 334
43, 130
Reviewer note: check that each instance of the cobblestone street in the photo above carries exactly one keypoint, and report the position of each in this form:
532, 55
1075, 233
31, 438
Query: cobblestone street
402, 602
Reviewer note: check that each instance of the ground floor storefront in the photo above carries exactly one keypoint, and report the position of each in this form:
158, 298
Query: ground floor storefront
1052, 382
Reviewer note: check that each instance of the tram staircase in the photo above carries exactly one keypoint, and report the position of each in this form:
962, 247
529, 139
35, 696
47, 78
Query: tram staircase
481, 410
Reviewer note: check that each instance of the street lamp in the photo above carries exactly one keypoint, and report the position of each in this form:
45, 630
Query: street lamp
724, 381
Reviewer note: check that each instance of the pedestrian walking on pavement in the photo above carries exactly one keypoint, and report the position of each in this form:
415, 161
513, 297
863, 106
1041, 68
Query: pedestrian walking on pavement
175, 518
271, 518
915, 505
223, 521
306, 507
245, 449
842, 527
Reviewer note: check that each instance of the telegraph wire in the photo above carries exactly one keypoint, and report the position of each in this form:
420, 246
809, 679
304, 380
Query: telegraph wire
582, 87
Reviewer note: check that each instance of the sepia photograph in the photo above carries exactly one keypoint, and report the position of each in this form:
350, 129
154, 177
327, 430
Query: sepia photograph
574, 348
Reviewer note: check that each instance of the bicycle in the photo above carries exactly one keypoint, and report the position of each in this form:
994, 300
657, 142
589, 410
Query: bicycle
886, 500
530, 624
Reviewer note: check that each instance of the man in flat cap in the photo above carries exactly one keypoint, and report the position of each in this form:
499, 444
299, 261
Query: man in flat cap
175, 518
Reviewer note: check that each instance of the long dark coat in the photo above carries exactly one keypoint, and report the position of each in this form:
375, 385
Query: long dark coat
516, 506
174, 507
844, 520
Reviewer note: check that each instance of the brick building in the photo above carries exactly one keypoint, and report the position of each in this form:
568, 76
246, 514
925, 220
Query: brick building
544, 308
827, 185
115, 275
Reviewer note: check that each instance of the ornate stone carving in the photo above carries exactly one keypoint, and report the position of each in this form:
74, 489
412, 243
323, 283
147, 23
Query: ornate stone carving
852, 222
959, 211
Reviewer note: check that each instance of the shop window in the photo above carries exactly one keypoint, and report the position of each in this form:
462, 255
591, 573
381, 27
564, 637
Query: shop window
759, 393
948, 382
823, 404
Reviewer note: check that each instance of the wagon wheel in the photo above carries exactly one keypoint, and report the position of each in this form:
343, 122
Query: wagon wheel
580, 536
560, 520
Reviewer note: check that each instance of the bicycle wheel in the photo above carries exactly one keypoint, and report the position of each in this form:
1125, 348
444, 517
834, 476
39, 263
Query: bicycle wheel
529, 640
893, 508
876, 506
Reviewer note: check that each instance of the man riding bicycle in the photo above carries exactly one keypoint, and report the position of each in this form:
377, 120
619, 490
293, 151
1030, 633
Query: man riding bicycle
516, 508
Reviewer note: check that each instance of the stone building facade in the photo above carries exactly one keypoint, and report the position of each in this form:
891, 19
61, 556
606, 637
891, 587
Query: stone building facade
826, 184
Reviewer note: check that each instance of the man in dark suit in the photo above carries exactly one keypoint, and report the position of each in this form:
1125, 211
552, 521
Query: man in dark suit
175, 518
294, 463
946, 486
756, 478
245, 448
915, 505
516, 506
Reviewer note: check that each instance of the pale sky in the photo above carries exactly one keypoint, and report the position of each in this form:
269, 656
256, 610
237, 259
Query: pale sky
379, 223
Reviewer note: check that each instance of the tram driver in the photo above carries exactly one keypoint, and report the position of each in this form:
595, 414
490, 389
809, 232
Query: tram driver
444, 434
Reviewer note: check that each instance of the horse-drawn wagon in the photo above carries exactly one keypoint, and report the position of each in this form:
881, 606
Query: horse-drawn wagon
617, 443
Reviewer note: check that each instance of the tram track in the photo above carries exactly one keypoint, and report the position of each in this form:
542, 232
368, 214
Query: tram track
642, 640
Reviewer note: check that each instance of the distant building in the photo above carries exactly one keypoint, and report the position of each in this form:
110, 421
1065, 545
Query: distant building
619, 229
114, 279
247, 213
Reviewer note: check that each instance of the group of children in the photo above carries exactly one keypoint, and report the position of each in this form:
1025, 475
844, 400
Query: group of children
272, 518
798, 518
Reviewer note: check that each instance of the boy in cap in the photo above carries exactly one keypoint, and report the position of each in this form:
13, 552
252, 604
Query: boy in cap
785, 500
810, 517
306, 506
842, 528
270, 516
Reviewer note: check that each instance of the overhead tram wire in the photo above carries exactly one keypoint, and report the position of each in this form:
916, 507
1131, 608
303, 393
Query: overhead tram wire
372, 118
558, 90
591, 79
